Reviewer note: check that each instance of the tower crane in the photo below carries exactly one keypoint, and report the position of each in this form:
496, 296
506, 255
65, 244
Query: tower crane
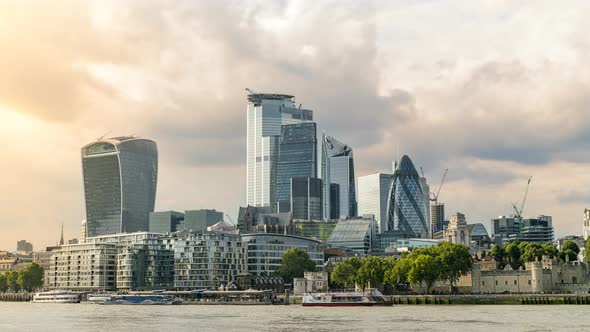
434, 197
526, 192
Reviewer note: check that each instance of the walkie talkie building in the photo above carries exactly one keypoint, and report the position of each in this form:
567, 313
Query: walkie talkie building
120, 177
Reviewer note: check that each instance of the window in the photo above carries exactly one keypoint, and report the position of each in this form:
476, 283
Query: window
496, 282
506, 282
529, 282
483, 283
515, 282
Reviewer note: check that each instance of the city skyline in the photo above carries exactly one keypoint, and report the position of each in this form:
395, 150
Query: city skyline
494, 111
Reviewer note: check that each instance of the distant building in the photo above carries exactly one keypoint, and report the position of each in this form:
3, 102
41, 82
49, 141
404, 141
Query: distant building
404, 245
407, 205
334, 197
458, 230
373, 192
297, 159
266, 113
83, 231
437, 217
120, 177
538, 229
586, 228
165, 221
248, 217
265, 251
505, 227
426, 191
313, 229
356, 234
199, 220
7, 261
338, 167
73, 241
312, 282
306, 198
480, 240
24, 246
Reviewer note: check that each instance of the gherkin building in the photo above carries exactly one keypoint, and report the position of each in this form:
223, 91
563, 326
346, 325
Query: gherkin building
406, 208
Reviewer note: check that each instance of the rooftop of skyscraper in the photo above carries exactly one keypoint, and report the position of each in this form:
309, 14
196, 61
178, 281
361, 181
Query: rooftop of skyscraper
258, 97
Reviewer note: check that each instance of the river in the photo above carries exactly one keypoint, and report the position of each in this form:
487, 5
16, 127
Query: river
91, 317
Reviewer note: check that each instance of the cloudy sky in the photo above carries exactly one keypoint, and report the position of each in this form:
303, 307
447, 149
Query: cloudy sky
494, 90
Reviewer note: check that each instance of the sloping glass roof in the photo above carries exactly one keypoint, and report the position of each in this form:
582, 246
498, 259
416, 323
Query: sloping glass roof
350, 230
477, 230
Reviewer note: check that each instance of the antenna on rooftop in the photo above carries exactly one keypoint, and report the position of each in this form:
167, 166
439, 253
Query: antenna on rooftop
103, 136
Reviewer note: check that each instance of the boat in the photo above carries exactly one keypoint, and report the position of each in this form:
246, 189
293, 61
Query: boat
345, 299
98, 297
139, 299
56, 296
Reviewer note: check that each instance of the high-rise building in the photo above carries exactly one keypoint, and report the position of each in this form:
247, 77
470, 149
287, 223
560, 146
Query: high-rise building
24, 246
83, 231
373, 195
586, 229
426, 191
199, 220
306, 198
297, 159
505, 227
165, 221
406, 208
334, 197
338, 167
538, 229
437, 217
120, 177
266, 113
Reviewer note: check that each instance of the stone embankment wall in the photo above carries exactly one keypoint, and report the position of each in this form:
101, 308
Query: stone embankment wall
16, 297
493, 299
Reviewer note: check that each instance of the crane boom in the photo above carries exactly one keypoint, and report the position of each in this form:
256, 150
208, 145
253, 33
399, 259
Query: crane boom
526, 192
442, 181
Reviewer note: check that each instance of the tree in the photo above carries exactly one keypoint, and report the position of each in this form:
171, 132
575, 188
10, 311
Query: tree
550, 250
571, 245
455, 260
513, 252
588, 249
497, 252
371, 272
567, 255
345, 273
12, 281
295, 261
3, 283
398, 275
31, 277
425, 268
533, 252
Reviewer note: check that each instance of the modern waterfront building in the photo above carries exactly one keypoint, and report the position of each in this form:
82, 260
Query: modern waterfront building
338, 168
297, 159
373, 193
407, 205
165, 221
306, 198
120, 177
265, 251
354, 234
586, 228
206, 260
437, 217
24, 246
314, 229
266, 113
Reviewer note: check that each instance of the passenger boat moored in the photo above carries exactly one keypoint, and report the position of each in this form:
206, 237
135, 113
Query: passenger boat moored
141, 299
345, 299
56, 296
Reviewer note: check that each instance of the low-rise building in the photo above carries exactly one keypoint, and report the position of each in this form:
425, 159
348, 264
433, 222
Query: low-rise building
312, 282
356, 234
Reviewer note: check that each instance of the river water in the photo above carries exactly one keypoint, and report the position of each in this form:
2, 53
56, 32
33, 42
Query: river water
91, 317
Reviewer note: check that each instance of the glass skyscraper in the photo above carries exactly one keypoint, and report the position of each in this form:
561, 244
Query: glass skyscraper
373, 196
266, 113
306, 198
406, 208
338, 168
297, 159
120, 177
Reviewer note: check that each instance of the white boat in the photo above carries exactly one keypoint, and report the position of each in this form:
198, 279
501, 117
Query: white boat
140, 299
345, 299
56, 296
98, 298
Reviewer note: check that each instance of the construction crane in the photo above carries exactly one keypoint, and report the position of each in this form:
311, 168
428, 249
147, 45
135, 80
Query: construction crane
230, 219
434, 197
526, 192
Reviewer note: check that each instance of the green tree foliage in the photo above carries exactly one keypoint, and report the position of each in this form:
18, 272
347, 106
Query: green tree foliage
425, 268
512, 252
567, 255
550, 250
455, 260
295, 262
532, 252
398, 275
31, 278
497, 252
570, 245
12, 280
370, 274
3, 283
345, 273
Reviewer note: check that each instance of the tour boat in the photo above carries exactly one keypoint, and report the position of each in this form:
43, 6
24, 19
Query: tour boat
98, 297
345, 299
141, 299
56, 296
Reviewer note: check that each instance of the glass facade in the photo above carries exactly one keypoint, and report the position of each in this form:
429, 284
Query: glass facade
355, 234
165, 221
406, 208
338, 168
373, 196
120, 177
199, 220
266, 113
306, 198
265, 251
297, 159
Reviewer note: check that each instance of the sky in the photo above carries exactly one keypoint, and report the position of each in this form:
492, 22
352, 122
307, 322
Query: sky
495, 91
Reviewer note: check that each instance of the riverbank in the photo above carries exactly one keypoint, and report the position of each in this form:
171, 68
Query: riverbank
16, 297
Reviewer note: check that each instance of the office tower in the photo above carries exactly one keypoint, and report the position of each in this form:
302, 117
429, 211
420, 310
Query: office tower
437, 217
505, 227
426, 191
266, 113
120, 176
24, 246
306, 198
165, 221
586, 229
334, 200
297, 159
83, 231
199, 220
373, 196
538, 229
406, 208
338, 167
